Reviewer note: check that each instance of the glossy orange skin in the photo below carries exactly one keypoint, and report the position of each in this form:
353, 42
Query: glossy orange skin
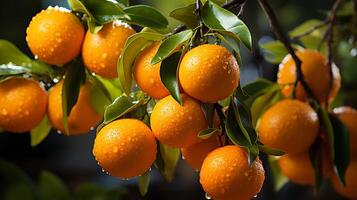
348, 117
23, 104
226, 175
125, 148
100, 51
289, 125
209, 73
82, 117
315, 70
175, 125
298, 168
195, 154
349, 191
55, 36
147, 76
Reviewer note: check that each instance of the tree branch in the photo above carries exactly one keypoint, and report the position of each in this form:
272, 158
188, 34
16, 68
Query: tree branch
329, 37
278, 31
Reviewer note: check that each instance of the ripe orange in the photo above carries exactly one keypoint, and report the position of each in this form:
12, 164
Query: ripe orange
348, 117
147, 76
176, 125
196, 153
101, 50
125, 148
82, 117
351, 182
316, 73
209, 73
298, 168
226, 175
289, 125
23, 104
55, 35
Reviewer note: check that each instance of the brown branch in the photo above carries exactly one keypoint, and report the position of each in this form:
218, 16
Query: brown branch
278, 31
235, 6
329, 37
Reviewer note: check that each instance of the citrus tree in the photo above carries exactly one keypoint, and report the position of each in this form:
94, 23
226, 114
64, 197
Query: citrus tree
153, 93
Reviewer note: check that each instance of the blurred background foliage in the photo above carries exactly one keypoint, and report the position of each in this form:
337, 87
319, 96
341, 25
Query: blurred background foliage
70, 158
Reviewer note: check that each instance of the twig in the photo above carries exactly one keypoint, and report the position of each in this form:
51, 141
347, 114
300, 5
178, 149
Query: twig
232, 6
329, 37
274, 23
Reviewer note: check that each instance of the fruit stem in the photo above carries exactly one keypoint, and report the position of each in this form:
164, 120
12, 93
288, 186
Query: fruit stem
278, 31
329, 36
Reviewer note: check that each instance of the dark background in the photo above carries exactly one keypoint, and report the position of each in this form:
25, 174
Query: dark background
71, 157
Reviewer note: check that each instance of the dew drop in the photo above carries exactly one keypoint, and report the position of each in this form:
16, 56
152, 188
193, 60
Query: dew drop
246, 173
115, 149
104, 55
59, 132
190, 118
255, 196
27, 113
207, 196
36, 56
103, 170
152, 80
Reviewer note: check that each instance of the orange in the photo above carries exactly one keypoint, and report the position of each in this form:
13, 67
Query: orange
125, 148
176, 125
298, 168
147, 76
196, 153
226, 175
55, 35
101, 50
349, 191
315, 70
289, 125
348, 117
23, 104
82, 117
209, 73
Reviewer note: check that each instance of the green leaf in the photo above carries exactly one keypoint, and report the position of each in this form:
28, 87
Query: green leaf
75, 76
52, 188
242, 119
170, 157
121, 106
275, 51
327, 124
99, 96
11, 173
10, 55
146, 16
124, 2
40, 132
186, 15
342, 148
253, 152
312, 40
316, 161
89, 191
231, 42
208, 111
207, 133
279, 179
8, 70
233, 130
263, 102
271, 151
171, 44
254, 89
144, 182
133, 46
168, 75
99, 11
220, 19
112, 86
19, 190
